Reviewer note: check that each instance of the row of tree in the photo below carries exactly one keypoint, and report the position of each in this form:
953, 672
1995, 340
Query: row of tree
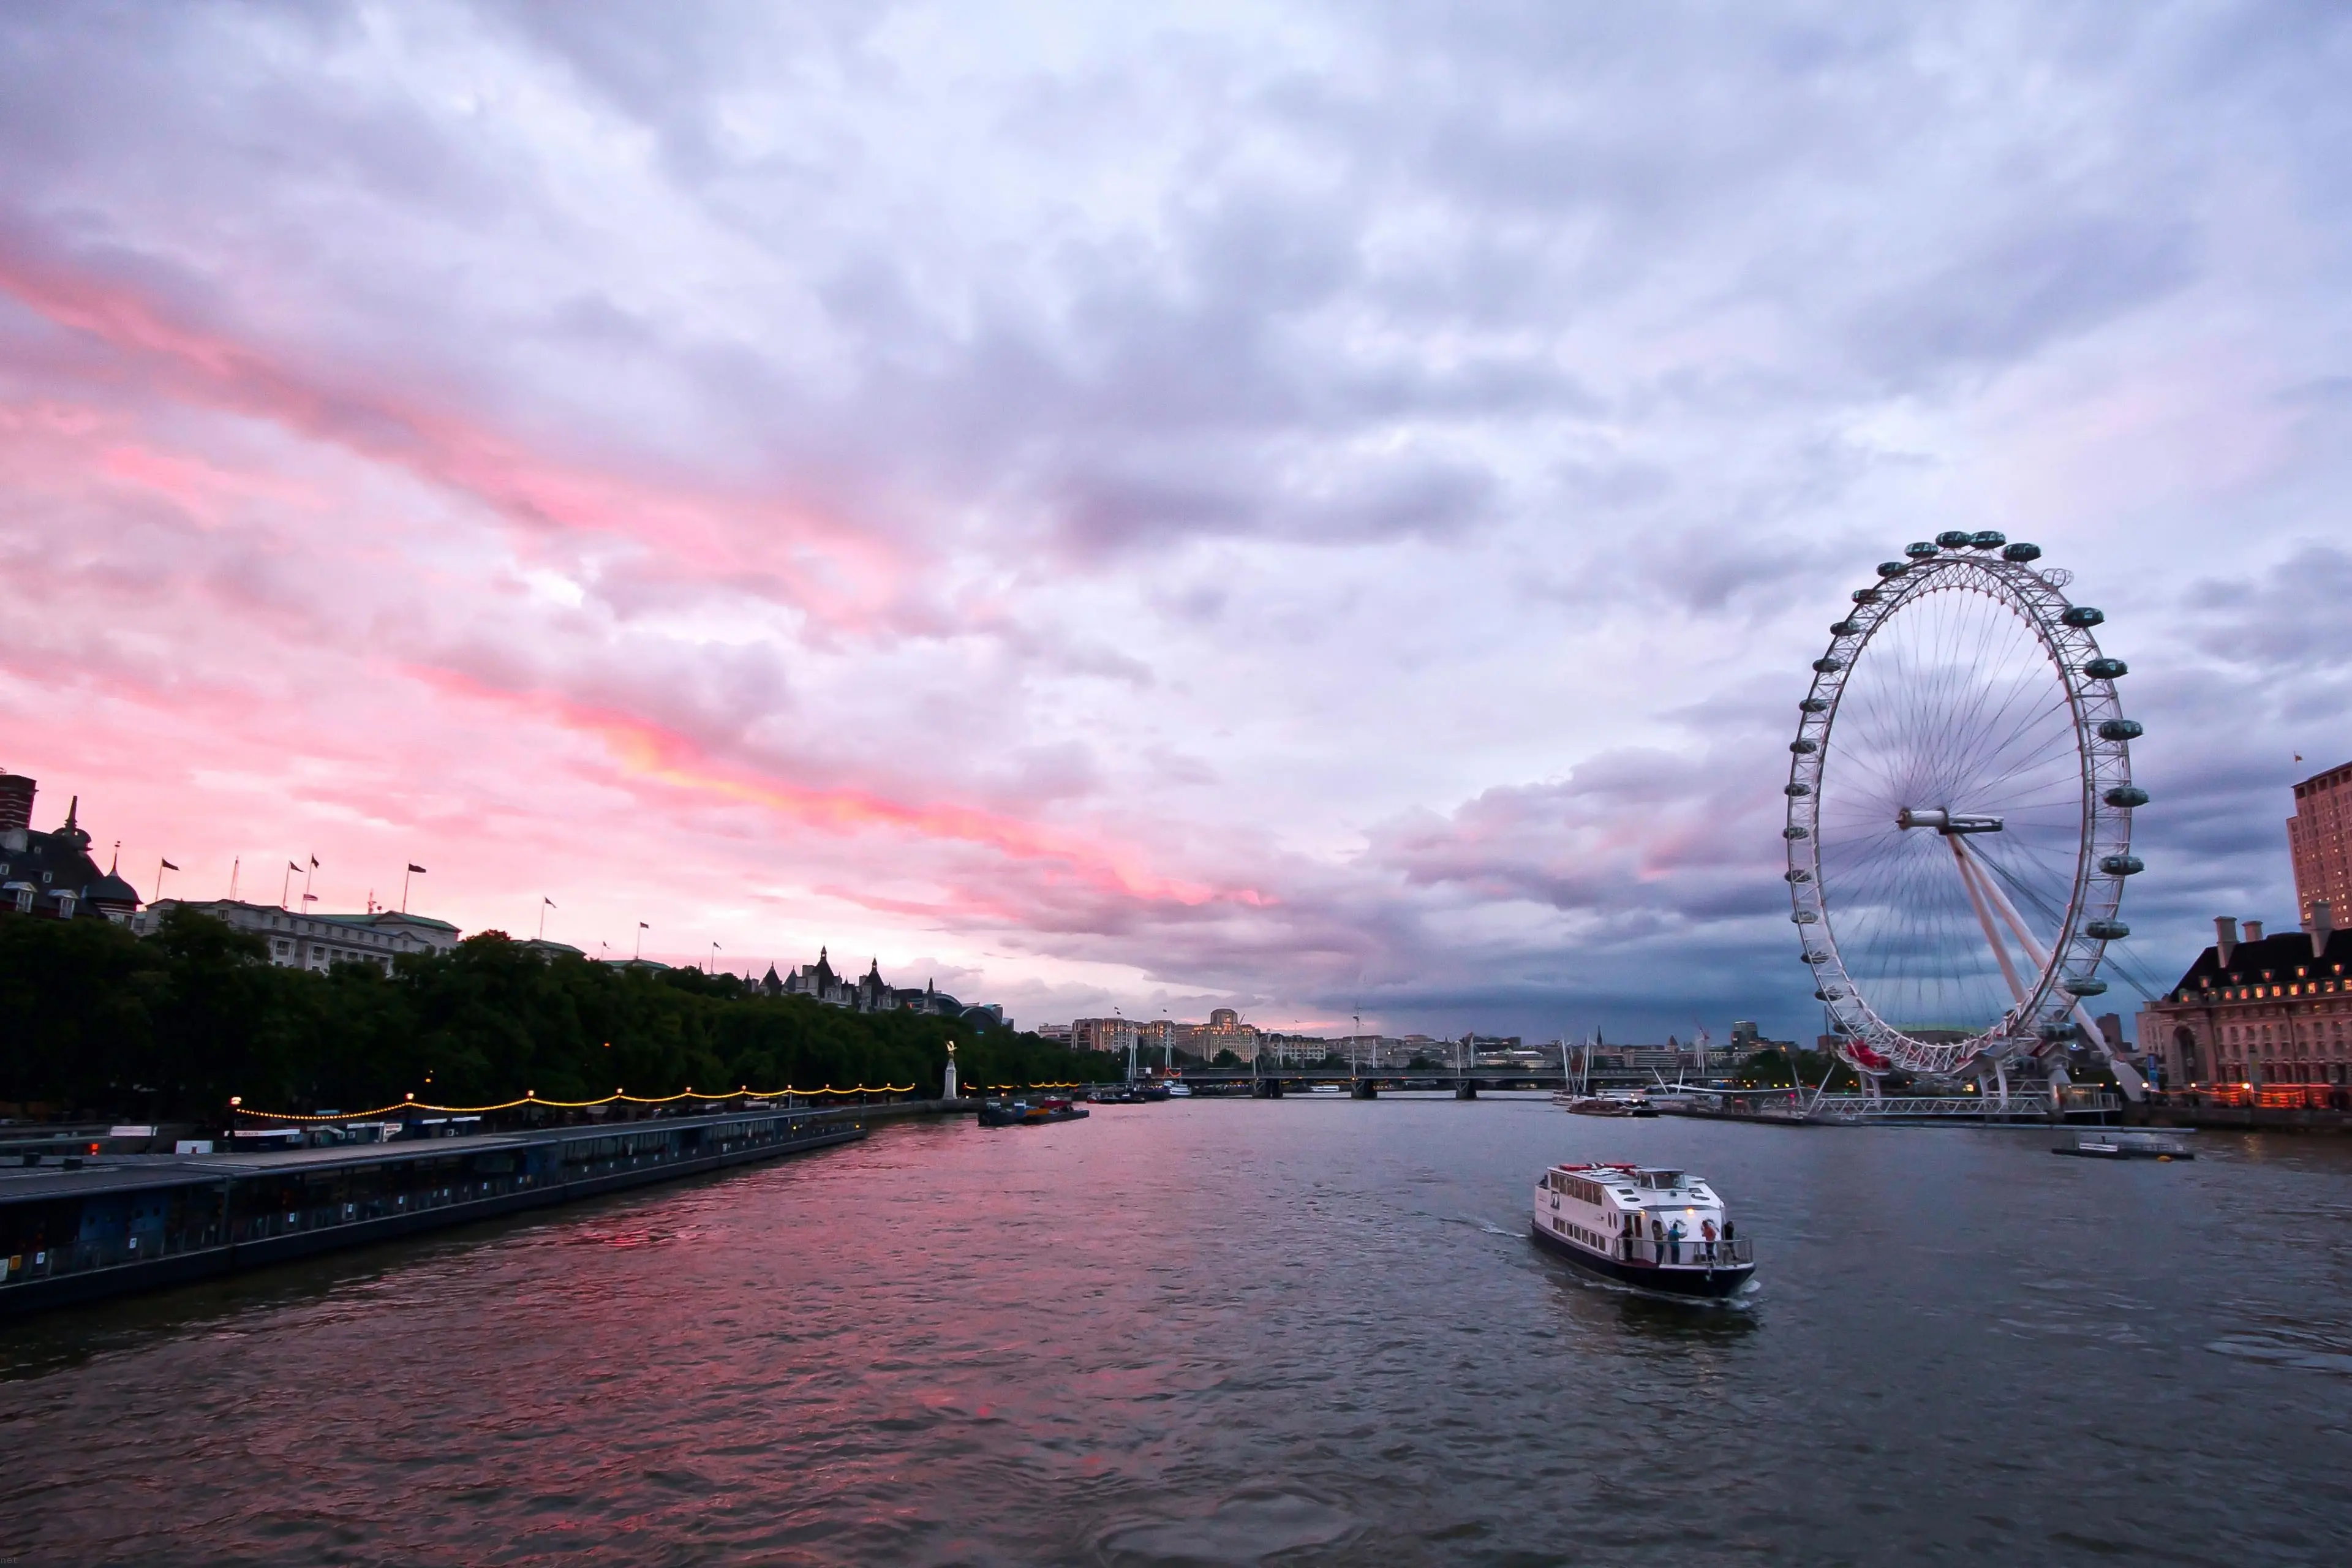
95, 1021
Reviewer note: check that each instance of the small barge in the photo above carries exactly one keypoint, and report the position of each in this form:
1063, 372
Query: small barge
1024, 1113
2112, 1143
1652, 1229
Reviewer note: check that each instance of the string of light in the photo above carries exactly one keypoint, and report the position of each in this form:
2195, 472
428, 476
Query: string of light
412, 1104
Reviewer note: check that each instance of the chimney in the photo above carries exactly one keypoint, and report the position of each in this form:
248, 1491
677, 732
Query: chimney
2225, 937
2321, 925
15, 801
2253, 930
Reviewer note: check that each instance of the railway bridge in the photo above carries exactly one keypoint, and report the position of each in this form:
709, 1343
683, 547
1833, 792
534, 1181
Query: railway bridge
1367, 1083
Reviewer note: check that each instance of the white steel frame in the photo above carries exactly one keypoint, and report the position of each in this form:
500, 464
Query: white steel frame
2048, 989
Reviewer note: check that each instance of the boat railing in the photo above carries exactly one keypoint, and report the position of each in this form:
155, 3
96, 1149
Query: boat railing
1737, 1252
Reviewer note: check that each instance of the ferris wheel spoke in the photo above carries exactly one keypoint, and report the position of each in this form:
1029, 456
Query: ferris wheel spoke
2041, 739
1988, 736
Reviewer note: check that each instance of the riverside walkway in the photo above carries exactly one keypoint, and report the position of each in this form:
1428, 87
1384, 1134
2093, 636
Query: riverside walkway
115, 1225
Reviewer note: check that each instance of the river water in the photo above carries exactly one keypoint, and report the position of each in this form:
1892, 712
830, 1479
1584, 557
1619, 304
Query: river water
1310, 1331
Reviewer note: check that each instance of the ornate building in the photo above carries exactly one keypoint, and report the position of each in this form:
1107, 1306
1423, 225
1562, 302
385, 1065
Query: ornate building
2258, 1012
52, 875
868, 994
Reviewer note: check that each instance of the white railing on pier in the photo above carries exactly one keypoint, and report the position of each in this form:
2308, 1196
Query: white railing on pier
1956, 1107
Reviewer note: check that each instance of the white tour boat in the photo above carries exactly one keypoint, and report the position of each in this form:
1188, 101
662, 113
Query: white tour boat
1658, 1230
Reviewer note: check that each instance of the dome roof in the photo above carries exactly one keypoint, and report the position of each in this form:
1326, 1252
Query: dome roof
112, 889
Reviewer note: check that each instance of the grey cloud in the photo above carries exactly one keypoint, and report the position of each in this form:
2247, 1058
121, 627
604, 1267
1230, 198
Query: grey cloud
2290, 617
2045, 279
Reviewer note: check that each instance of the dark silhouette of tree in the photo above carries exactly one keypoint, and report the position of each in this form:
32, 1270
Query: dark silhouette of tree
99, 1022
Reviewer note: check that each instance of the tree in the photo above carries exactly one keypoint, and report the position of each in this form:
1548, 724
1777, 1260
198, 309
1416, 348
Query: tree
104, 1023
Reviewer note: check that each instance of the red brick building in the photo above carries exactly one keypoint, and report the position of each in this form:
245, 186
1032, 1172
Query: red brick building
2319, 834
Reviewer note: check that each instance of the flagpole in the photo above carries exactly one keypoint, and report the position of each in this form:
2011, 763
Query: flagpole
236, 864
404, 890
285, 886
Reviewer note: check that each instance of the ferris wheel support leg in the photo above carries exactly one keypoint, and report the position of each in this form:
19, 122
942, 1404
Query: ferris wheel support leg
2134, 1086
1969, 872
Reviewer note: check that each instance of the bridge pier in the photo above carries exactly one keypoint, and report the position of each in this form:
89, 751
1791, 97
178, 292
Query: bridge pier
1266, 1089
1466, 1089
1363, 1089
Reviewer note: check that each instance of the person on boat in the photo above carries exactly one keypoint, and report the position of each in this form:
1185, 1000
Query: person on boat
1706, 1239
1674, 1234
1657, 1239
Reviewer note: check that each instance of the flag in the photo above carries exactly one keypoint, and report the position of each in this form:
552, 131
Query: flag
291, 867
169, 867
547, 902
642, 926
314, 862
419, 870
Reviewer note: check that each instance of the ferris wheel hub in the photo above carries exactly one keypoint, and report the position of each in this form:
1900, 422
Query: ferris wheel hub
1946, 822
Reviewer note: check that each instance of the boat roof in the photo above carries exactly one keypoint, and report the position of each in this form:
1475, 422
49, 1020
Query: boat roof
1629, 1177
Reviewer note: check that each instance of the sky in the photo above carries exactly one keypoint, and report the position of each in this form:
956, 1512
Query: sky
1320, 509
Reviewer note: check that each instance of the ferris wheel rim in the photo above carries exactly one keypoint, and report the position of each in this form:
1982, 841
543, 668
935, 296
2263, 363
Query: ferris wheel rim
2066, 973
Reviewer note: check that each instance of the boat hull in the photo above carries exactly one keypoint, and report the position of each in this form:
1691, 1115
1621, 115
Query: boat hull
1699, 1283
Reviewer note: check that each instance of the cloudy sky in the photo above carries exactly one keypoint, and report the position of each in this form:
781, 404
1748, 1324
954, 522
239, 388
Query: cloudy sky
1325, 511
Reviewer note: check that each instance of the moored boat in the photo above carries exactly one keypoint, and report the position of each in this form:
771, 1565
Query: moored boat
1604, 1104
1657, 1230
2113, 1143
1028, 1113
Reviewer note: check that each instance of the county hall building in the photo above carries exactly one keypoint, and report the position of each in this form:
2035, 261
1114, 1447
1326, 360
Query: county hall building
2268, 1019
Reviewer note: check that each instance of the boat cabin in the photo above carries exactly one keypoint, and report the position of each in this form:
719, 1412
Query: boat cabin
1636, 1213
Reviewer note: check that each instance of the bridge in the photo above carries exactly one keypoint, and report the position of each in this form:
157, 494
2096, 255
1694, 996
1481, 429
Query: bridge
1368, 1083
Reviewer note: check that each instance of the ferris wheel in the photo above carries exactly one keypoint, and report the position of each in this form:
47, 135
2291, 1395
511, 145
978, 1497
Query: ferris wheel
1960, 817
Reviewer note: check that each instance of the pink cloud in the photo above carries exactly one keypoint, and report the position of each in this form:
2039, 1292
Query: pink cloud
842, 574
654, 753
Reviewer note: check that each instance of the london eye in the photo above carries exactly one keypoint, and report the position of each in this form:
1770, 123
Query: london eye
1960, 810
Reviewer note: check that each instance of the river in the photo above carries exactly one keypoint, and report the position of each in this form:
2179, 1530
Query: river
1310, 1331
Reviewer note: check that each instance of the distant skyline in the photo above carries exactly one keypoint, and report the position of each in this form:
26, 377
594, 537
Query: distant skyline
1324, 511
